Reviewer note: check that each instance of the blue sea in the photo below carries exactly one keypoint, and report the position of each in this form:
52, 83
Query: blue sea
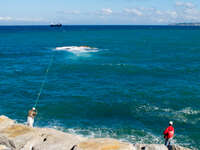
124, 82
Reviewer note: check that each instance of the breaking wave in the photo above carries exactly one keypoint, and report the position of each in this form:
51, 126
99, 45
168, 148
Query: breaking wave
113, 133
77, 49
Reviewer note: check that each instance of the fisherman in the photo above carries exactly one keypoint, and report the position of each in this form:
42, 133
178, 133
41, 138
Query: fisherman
168, 134
31, 115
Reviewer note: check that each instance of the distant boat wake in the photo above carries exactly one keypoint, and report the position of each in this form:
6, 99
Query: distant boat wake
77, 49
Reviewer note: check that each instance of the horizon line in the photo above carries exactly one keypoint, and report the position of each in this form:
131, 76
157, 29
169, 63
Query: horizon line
91, 25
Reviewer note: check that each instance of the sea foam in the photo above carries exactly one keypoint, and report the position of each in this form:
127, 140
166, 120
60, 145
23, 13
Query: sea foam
77, 49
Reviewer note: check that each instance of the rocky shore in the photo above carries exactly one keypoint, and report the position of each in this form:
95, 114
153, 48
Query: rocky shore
15, 136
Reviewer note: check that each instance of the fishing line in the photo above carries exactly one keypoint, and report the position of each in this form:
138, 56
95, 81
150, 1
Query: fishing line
44, 81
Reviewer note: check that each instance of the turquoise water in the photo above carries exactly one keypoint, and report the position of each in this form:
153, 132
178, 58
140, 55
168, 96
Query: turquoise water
128, 85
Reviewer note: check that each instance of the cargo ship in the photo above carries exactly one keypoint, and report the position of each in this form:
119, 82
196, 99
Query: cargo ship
56, 25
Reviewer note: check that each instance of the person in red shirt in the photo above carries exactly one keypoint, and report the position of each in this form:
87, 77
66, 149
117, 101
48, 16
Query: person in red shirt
169, 134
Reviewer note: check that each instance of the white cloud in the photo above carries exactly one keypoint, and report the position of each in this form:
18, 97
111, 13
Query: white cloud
158, 12
187, 12
191, 11
182, 12
160, 20
134, 11
5, 18
185, 4
106, 11
172, 14
74, 12
192, 15
21, 19
29, 19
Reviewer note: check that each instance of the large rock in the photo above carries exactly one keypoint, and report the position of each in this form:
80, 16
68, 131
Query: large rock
50, 139
150, 147
5, 122
3, 147
103, 144
5, 143
177, 147
157, 147
20, 137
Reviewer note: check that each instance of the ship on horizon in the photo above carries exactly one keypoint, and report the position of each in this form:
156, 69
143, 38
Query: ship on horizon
56, 25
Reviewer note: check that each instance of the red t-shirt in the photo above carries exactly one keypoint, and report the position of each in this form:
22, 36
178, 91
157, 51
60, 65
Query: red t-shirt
169, 132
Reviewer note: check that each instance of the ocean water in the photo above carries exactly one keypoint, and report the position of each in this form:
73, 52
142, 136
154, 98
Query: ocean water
127, 84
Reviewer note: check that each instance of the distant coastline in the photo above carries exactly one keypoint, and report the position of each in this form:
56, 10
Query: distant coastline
186, 24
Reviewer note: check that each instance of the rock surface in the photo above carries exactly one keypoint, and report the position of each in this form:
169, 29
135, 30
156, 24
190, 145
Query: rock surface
15, 136
103, 144
157, 147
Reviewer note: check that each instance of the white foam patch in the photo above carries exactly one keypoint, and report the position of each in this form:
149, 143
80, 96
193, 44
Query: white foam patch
109, 133
180, 115
155, 139
77, 49
189, 111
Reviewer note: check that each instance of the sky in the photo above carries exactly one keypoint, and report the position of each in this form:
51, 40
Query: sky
98, 12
